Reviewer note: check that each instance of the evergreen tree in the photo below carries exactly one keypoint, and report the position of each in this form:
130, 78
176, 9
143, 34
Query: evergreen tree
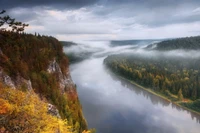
6, 20
180, 95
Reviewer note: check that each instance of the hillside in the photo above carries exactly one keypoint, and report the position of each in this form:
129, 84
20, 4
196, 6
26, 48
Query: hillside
187, 43
38, 64
175, 78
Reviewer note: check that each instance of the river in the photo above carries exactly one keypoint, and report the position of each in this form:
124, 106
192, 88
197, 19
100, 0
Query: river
112, 105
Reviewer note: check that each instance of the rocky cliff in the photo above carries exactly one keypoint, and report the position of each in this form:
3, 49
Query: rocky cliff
37, 63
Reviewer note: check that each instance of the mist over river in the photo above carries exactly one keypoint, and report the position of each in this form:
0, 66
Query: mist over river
112, 105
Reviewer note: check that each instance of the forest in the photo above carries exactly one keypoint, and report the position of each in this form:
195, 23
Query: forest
28, 56
177, 78
186, 43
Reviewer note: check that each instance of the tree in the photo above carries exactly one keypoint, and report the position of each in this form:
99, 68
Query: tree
6, 20
25, 112
180, 95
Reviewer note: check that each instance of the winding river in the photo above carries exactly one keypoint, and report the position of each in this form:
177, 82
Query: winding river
112, 105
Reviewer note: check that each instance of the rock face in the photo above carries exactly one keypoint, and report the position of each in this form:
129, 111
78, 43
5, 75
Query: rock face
17, 83
65, 82
53, 110
14, 84
64, 79
4, 78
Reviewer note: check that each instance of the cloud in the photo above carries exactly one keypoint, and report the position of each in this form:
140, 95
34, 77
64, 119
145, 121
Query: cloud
153, 12
66, 23
108, 19
6, 4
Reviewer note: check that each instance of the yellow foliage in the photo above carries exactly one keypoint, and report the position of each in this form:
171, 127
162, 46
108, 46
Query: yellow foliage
5, 107
25, 112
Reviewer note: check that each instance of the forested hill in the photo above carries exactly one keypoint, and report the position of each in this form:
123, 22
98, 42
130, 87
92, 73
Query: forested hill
187, 43
176, 78
36, 64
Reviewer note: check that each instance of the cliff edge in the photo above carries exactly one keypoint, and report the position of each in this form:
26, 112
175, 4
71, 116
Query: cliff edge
38, 64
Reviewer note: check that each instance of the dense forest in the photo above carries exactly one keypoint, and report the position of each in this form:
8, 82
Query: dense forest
177, 78
187, 43
29, 56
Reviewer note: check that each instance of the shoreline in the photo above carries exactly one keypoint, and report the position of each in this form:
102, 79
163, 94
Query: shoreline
157, 94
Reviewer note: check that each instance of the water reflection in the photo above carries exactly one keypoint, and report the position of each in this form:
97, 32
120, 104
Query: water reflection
154, 99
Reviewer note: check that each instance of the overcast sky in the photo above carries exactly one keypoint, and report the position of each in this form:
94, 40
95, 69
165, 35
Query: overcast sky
107, 19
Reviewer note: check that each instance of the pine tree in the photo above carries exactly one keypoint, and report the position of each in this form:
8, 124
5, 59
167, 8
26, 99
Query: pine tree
6, 20
180, 95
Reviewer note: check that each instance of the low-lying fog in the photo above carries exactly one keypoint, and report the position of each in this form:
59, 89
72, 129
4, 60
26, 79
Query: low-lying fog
114, 106
105, 48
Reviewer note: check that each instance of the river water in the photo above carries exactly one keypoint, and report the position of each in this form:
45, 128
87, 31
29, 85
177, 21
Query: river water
112, 105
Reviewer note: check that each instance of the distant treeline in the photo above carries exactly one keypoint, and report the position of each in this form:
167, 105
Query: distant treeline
187, 43
176, 78
67, 43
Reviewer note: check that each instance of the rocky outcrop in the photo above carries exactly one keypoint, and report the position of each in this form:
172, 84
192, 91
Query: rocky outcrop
4, 78
14, 84
17, 83
21, 82
53, 110
64, 79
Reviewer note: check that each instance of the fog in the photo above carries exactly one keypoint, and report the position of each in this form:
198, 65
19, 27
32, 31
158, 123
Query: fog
104, 48
86, 47
112, 105
167, 54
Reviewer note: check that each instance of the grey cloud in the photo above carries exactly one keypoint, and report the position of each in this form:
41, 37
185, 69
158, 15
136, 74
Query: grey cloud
117, 19
62, 22
23, 14
152, 13
150, 3
7, 4
157, 17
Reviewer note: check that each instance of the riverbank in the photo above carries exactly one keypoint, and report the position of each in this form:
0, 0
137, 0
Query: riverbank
178, 103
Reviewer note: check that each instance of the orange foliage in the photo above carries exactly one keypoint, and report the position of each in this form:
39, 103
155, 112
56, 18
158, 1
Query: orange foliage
4, 107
